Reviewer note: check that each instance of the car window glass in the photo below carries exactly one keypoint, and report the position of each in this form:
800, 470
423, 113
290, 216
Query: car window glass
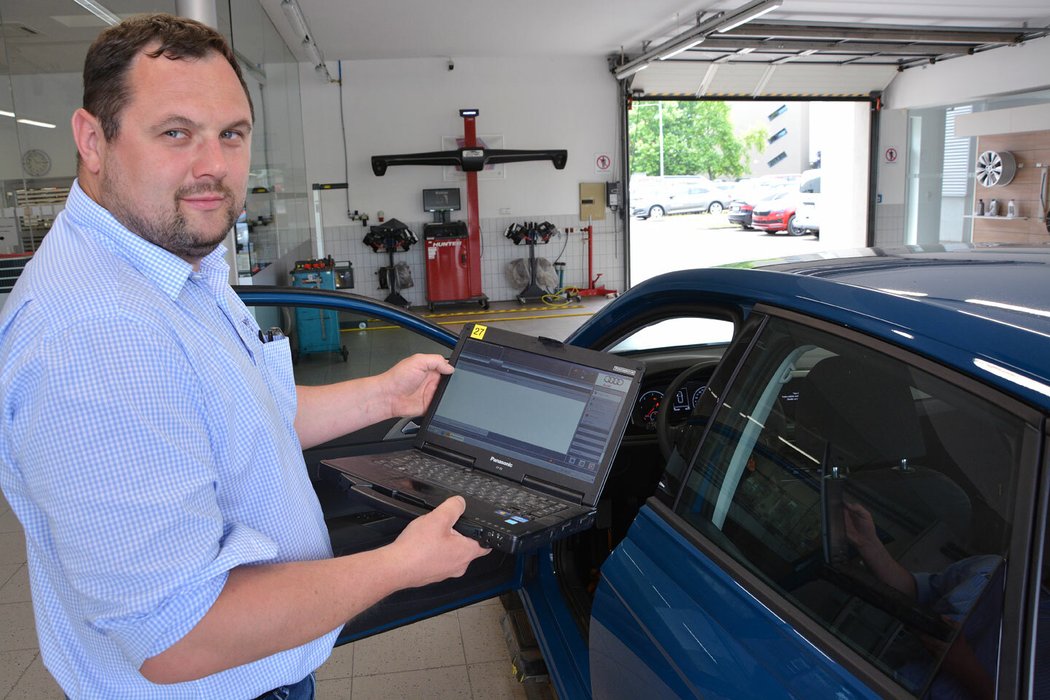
331, 346
1041, 667
677, 332
874, 496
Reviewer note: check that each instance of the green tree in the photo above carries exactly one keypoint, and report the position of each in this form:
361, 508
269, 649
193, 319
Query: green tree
698, 139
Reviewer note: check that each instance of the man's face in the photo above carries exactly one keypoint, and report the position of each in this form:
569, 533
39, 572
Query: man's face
176, 172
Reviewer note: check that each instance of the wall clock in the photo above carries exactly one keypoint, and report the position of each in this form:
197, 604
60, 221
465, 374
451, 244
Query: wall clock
36, 162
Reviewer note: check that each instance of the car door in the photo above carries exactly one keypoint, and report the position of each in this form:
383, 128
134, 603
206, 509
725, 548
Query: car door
336, 336
842, 527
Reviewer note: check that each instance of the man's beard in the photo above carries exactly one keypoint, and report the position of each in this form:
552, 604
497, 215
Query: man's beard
169, 229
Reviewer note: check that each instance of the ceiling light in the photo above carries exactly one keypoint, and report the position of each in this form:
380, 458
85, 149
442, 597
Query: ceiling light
295, 17
684, 47
313, 52
748, 12
629, 70
99, 11
30, 122
6, 114
746, 49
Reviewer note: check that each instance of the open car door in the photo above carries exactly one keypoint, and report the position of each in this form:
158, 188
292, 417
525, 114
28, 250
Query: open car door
363, 337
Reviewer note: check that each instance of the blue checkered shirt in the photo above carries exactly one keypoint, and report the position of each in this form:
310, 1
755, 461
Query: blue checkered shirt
147, 446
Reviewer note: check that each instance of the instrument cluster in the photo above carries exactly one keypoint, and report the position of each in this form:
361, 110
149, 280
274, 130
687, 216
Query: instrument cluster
653, 400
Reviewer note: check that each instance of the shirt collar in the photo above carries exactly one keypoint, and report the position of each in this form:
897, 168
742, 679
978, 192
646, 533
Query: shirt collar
165, 269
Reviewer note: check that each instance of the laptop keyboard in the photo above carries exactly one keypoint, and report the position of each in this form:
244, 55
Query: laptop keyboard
503, 494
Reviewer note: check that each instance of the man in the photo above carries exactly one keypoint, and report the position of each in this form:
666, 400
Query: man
150, 443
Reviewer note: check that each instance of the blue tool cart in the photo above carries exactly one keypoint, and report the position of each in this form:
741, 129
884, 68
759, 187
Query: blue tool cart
317, 330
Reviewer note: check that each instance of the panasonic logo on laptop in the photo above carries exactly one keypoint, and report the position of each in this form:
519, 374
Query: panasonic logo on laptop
501, 462
624, 370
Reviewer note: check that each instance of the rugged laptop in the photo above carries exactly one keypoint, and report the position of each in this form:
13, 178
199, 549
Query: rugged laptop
525, 429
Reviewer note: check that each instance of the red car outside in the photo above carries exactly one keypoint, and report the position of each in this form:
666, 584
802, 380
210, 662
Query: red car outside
777, 214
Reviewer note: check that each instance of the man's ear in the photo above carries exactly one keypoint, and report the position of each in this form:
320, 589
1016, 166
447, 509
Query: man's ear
90, 141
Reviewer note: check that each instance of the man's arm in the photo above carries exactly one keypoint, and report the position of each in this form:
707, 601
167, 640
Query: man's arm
326, 412
269, 608
860, 530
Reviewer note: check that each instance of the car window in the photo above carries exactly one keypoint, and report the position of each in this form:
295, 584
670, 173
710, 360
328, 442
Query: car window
872, 495
331, 346
677, 332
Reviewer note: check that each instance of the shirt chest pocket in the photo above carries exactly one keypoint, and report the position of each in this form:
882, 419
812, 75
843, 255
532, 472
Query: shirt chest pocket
276, 368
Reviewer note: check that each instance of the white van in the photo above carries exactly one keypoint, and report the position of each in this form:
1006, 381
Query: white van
807, 216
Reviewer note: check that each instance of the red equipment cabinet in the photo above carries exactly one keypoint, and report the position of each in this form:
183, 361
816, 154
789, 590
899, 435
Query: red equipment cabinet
448, 264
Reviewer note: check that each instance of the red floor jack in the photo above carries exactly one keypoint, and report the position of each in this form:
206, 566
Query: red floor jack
591, 290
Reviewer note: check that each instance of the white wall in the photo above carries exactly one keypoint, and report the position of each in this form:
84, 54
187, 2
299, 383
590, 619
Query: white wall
891, 177
407, 106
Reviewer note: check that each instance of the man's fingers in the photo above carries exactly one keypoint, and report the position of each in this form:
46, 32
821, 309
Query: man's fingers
452, 508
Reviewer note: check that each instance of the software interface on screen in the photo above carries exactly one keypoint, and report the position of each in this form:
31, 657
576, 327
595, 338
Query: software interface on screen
546, 411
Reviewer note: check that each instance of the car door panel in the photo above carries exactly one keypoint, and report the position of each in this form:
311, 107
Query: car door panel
692, 630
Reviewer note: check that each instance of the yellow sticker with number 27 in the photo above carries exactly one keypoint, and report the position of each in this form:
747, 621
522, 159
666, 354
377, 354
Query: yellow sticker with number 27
478, 332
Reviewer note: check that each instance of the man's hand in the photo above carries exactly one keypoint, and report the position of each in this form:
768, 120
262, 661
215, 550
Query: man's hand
411, 383
405, 390
431, 550
860, 527
267, 608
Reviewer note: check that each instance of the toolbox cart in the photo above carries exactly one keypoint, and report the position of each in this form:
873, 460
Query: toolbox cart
316, 330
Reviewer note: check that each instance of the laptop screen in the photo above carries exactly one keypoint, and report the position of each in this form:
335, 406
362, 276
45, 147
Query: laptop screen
520, 406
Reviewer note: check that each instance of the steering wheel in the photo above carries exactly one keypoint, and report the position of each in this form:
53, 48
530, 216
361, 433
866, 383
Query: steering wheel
666, 434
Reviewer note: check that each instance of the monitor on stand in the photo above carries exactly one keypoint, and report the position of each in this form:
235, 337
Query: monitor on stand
441, 203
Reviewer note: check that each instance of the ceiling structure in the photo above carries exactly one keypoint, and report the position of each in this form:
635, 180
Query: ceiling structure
848, 47
799, 47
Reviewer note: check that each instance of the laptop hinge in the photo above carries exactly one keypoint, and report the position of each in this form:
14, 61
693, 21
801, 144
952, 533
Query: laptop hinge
450, 455
552, 489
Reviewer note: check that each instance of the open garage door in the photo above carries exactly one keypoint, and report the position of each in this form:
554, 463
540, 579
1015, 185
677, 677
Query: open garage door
714, 182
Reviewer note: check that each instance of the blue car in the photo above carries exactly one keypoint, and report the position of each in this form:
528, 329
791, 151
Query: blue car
835, 484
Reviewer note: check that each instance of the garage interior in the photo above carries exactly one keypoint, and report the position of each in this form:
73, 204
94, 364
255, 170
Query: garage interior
934, 85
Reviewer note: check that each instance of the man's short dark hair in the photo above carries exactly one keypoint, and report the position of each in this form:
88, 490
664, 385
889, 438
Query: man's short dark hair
106, 90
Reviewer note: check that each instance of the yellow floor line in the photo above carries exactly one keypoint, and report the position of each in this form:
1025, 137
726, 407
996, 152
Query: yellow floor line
484, 312
481, 320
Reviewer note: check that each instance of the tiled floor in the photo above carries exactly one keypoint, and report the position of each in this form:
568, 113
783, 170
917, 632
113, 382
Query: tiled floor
460, 655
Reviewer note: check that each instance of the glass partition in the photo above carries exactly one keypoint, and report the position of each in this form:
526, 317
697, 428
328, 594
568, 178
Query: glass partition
946, 204
275, 231
42, 48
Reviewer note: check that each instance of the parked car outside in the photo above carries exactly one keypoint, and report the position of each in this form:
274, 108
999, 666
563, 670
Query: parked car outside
777, 213
654, 199
807, 216
844, 494
745, 197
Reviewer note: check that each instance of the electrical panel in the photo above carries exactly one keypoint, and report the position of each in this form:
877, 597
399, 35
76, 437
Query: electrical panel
592, 201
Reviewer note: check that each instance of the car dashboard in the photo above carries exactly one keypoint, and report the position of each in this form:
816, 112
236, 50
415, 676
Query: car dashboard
652, 397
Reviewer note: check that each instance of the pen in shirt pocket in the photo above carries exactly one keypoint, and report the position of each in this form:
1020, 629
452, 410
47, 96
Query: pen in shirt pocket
275, 333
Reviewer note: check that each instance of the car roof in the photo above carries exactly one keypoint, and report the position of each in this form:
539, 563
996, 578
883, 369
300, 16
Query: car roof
983, 310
